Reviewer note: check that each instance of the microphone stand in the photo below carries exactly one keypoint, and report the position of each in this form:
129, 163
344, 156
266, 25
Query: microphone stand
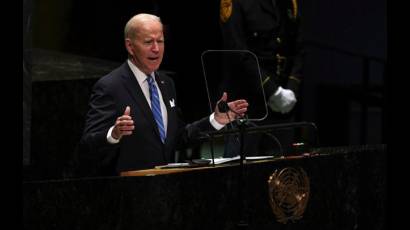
224, 108
211, 137
242, 223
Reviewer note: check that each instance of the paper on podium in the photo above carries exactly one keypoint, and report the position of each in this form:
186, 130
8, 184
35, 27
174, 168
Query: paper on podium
235, 158
189, 164
173, 165
206, 162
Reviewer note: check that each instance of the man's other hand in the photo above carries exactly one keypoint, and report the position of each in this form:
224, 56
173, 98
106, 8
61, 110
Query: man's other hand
124, 125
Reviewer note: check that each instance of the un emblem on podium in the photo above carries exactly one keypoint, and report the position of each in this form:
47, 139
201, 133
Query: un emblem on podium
288, 194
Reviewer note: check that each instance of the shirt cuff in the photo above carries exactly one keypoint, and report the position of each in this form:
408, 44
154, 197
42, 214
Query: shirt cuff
111, 139
214, 123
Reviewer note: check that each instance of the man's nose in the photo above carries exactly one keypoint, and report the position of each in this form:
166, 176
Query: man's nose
155, 47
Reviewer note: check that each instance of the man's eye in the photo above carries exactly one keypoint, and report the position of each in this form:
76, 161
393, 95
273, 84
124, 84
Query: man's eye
148, 42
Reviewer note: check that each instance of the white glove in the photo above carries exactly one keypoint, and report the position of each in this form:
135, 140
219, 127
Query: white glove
283, 100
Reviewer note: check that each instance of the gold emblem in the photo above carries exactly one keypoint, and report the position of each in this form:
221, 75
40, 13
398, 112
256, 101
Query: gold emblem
288, 194
225, 10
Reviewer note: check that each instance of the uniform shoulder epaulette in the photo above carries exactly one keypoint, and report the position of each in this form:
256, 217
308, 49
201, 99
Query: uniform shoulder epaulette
225, 10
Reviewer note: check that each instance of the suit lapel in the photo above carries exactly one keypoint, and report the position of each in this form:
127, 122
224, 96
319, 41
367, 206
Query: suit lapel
134, 89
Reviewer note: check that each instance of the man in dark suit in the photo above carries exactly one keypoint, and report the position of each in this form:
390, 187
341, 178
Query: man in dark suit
271, 30
133, 121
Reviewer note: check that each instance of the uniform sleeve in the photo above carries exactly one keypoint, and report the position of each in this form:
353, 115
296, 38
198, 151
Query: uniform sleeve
292, 44
231, 21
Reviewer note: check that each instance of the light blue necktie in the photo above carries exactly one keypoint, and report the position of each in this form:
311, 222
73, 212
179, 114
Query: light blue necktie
156, 107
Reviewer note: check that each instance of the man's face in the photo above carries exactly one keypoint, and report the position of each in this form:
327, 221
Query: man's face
147, 48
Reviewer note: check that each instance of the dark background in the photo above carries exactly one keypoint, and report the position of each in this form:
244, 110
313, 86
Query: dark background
68, 45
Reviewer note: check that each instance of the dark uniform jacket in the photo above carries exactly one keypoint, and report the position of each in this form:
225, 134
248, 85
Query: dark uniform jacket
270, 29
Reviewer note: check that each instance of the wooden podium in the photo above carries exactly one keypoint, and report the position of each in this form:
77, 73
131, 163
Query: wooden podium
347, 190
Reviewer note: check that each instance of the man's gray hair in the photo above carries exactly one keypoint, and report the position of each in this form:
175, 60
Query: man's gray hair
131, 28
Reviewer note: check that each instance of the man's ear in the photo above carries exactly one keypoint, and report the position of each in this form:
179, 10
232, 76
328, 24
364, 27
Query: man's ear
128, 46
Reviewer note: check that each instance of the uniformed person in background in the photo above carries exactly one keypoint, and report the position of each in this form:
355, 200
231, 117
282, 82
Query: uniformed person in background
271, 30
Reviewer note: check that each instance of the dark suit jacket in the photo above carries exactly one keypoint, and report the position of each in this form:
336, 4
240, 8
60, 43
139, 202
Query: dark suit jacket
143, 149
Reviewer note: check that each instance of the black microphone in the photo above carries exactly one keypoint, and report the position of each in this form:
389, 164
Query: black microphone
223, 107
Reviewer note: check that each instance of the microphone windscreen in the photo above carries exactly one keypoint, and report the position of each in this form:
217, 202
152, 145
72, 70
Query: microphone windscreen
223, 107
